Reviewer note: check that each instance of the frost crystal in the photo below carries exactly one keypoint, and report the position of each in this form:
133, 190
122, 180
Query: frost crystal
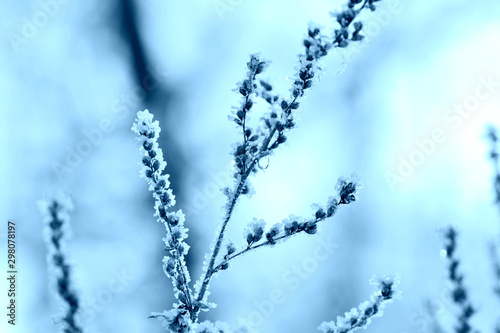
255, 231
175, 320
348, 189
247, 151
153, 165
387, 290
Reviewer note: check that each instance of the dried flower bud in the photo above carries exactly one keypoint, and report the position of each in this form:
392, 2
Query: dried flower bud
255, 231
311, 228
281, 138
320, 213
347, 190
314, 32
291, 227
272, 233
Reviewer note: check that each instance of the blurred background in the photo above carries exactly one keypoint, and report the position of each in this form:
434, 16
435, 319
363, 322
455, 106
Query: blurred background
406, 110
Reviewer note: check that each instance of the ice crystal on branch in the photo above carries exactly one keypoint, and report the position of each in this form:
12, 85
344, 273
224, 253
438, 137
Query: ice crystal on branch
254, 231
356, 318
55, 213
245, 151
152, 166
348, 189
175, 320
255, 234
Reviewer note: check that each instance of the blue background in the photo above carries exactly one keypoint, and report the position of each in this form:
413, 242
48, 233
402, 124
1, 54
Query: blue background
375, 103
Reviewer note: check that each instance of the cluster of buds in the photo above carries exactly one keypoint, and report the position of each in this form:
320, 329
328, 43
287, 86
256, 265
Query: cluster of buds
347, 190
246, 151
262, 142
176, 248
343, 35
316, 45
256, 236
255, 231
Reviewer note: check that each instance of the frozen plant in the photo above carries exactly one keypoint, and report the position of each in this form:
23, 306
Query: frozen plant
55, 213
459, 294
153, 164
361, 316
258, 143
182, 318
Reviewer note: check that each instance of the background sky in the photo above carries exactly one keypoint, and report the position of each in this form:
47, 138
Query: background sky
73, 68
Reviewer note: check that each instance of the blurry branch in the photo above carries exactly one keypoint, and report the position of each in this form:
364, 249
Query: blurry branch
458, 293
130, 35
493, 154
55, 213
436, 326
496, 268
157, 92
128, 30
494, 248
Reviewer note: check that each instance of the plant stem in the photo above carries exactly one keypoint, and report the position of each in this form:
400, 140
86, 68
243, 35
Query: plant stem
210, 270
265, 243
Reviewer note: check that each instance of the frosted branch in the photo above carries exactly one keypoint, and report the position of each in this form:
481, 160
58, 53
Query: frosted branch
360, 317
